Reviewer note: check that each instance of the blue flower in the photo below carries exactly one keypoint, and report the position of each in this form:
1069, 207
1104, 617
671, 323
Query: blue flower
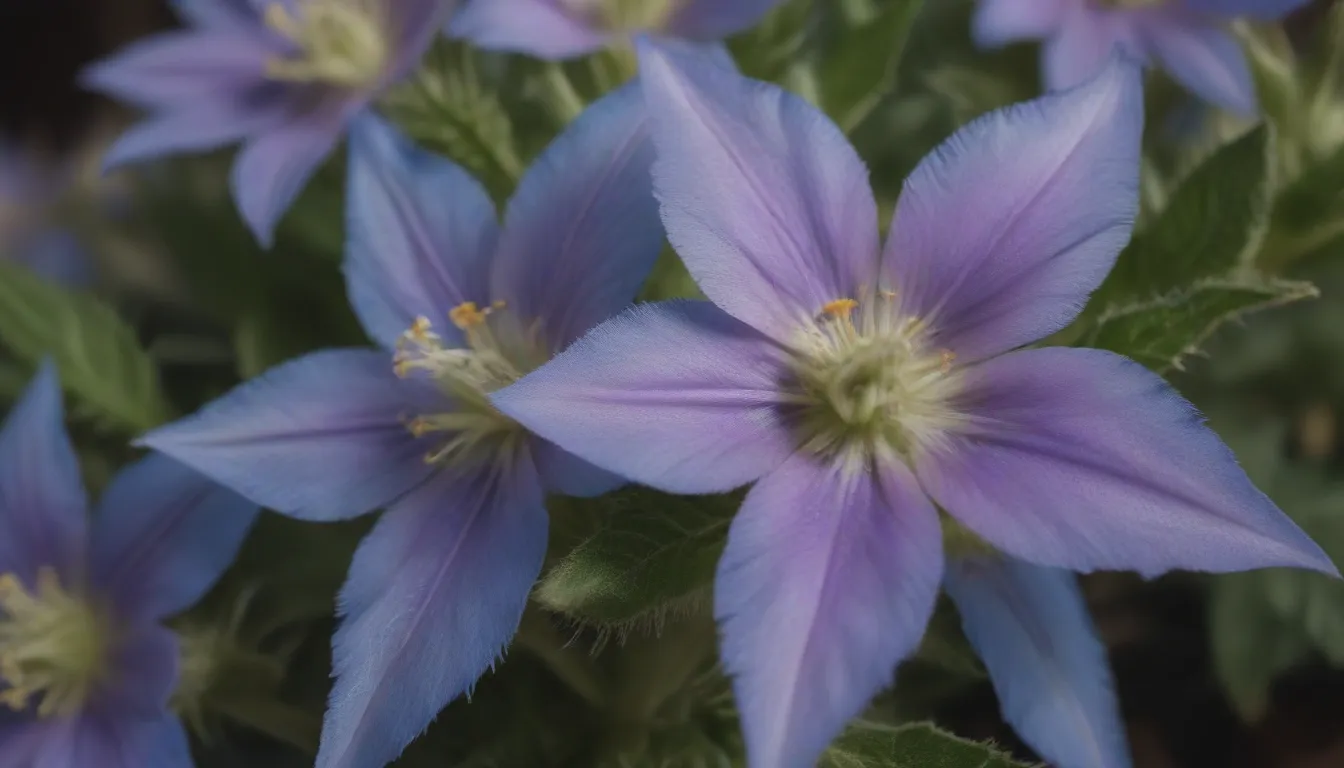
85, 663
460, 308
282, 76
1189, 38
561, 29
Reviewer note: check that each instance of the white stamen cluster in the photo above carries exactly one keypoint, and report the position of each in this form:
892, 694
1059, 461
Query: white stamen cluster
53, 644
340, 42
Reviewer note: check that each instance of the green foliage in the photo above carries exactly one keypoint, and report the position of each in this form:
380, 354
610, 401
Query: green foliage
915, 745
100, 359
851, 84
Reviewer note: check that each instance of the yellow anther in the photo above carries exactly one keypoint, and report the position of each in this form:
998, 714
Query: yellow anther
839, 308
420, 329
468, 315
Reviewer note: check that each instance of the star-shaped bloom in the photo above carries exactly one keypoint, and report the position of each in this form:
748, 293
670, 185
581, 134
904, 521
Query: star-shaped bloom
283, 77
862, 388
461, 309
1188, 38
562, 29
85, 662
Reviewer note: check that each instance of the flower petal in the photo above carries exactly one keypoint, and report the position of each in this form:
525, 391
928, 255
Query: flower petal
181, 66
676, 395
827, 582
421, 234
715, 19
542, 28
563, 472
1204, 58
763, 197
219, 14
1002, 233
320, 438
434, 595
414, 25
999, 22
1083, 44
142, 674
43, 507
1264, 10
582, 231
163, 534
274, 165
197, 126
1031, 627
1082, 459
108, 741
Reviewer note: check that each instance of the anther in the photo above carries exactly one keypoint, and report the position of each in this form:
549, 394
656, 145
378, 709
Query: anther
840, 308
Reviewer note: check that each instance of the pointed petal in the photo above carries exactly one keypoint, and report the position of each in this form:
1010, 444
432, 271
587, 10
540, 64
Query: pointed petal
999, 22
435, 593
1081, 47
1082, 459
763, 197
219, 14
421, 234
1264, 10
198, 126
582, 231
108, 741
43, 507
828, 581
1206, 59
715, 19
163, 534
542, 28
563, 472
321, 438
1002, 233
696, 389
274, 165
1031, 627
414, 25
180, 66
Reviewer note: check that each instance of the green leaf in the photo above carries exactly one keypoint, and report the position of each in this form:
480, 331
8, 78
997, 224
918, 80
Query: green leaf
860, 68
100, 360
916, 745
651, 554
1162, 330
775, 45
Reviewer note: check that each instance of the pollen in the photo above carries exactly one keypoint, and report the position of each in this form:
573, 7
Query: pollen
52, 646
340, 42
840, 308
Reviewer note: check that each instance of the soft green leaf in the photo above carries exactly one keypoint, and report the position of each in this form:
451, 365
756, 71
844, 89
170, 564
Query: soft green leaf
860, 69
916, 745
1162, 330
775, 45
652, 553
100, 360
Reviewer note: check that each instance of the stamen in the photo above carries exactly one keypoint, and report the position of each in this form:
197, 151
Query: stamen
839, 307
343, 42
52, 644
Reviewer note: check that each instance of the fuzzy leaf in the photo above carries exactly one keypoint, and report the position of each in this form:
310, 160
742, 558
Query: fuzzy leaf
915, 745
860, 68
100, 360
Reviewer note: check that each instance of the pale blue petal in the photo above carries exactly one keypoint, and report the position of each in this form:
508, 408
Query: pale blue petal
999, 22
1083, 44
828, 580
43, 507
220, 14
182, 67
763, 197
1207, 60
413, 26
163, 534
421, 232
717, 19
582, 231
1264, 10
1002, 233
142, 671
1082, 459
105, 740
679, 396
321, 438
198, 126
1031, 627
542, 28
434, 596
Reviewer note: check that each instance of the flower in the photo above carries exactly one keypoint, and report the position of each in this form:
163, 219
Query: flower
1188, 37
562, 29
84, 660
438, 587
860, 386
283, 77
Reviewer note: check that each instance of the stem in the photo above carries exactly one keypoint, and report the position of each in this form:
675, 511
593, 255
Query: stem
576, 668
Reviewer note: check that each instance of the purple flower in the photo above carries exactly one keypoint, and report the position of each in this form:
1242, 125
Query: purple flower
1187, 37
460, 308
85, 663
862, 388
562, 29
282, 77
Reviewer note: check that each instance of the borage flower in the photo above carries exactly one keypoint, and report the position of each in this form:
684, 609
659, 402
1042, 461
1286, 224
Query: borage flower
283, 76
437, 589
858, 386
85, 663
1189, 38
562, 29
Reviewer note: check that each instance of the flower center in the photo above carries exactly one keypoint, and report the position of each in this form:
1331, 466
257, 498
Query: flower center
52, 644
626, 15
870, 384
499, 352
342, 42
